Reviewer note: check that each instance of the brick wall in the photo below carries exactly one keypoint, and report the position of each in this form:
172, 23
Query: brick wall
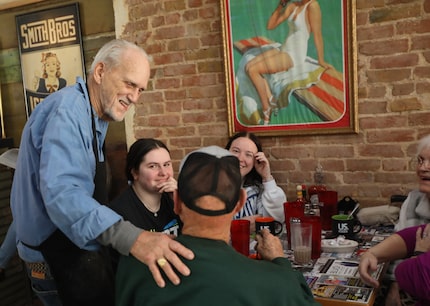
186, 103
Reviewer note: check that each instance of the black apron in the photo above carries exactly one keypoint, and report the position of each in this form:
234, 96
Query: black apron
83, 278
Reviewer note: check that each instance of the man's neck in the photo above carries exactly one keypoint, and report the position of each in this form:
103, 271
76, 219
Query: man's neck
94, 98
208, 233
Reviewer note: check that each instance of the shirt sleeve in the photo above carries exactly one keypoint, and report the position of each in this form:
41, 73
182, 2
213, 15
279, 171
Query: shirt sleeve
409, 236
413, 276
121, 236
67, 169
273, 199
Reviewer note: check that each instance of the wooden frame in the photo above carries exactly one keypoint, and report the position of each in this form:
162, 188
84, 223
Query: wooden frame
49, 38
308, 99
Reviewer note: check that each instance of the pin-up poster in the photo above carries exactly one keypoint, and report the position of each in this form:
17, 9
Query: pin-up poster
50, 46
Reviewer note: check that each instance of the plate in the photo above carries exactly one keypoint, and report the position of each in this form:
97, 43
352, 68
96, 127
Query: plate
338, 245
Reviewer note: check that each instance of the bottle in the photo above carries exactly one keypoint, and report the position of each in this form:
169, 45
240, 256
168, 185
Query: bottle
312, 215
299, 194
292, 210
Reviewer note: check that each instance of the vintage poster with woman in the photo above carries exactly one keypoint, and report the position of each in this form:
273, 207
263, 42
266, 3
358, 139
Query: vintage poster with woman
290, 66
50, 47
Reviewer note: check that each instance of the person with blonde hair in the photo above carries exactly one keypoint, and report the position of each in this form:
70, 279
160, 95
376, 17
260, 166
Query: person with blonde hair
51, 80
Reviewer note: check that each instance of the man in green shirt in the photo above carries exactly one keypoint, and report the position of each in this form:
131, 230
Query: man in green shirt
209, 194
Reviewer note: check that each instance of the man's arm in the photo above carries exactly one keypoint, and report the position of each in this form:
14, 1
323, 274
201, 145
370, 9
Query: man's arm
148, 247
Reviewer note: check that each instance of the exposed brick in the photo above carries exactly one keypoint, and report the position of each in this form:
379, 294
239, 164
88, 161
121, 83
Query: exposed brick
196, 29
201, 80
174, 5
386, 122
384, 47
375, 32
413, 26
334, 151
394, 165
363, 164
175, 95
406, 104
164, 120
387, 76
167, 83
381, 136
422, 72
421, 42
420, 119
180, 70
195, 104
381, 150
373, 107
396, 61
423, 87
367, 4
395, 13
427, 6
403, 89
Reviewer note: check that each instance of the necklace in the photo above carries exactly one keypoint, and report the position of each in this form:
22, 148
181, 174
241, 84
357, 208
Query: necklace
143, 200
154, 211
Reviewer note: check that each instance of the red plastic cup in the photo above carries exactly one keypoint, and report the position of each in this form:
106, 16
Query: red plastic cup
292, 210
240, 232
328, 207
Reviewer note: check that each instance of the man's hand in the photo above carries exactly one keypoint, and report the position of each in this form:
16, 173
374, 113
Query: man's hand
268, 246
153, 247
368, 264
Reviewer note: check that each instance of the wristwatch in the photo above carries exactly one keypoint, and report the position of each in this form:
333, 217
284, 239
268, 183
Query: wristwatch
416, 253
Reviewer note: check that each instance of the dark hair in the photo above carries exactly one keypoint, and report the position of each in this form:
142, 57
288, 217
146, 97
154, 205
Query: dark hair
137, 152
252, 177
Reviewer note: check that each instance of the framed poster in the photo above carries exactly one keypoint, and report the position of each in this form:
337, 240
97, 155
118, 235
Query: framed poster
290, 66
50, 47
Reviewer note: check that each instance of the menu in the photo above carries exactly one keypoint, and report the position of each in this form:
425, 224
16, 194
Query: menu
334, 279
338, 279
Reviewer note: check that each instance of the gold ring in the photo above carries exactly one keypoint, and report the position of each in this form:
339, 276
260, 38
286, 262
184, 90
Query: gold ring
161, 262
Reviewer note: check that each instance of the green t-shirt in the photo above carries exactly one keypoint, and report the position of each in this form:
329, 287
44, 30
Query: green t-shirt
219, 276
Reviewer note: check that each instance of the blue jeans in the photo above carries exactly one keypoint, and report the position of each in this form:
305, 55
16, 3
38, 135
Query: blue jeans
45, 289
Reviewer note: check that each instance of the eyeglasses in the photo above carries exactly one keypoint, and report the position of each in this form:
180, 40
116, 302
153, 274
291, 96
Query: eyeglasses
422, 161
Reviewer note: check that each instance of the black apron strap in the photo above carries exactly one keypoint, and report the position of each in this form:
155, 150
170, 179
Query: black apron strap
100, 179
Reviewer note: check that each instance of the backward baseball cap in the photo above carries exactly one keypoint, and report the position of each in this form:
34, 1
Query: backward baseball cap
210, 171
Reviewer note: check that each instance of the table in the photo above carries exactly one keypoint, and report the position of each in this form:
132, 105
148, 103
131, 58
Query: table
334, 279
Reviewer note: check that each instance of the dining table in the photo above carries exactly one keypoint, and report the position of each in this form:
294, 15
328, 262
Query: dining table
333, 277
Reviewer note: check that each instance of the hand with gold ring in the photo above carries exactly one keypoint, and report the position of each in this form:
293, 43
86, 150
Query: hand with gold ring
160, 251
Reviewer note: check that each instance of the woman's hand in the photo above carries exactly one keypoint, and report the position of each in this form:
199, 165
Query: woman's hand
368, 264
262, 166
168, 186
422, 243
